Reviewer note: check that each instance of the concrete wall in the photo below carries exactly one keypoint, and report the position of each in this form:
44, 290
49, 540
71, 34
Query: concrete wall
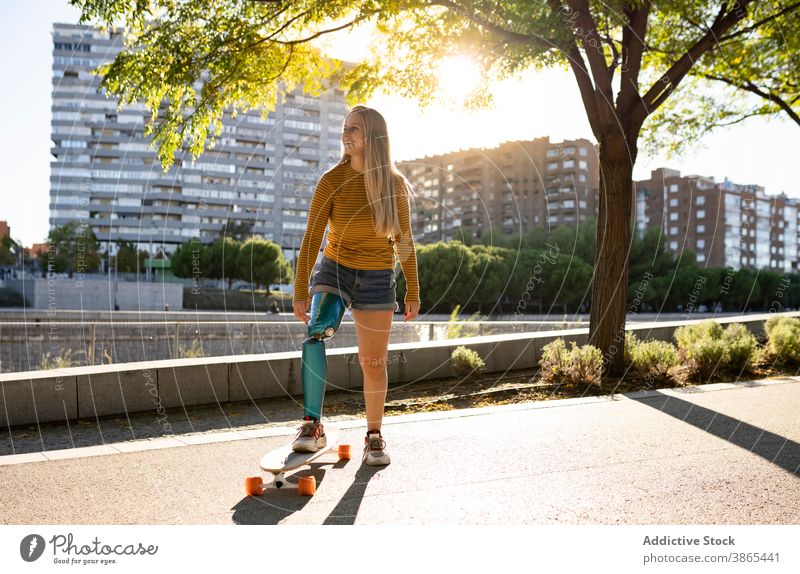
93, 294
89, 392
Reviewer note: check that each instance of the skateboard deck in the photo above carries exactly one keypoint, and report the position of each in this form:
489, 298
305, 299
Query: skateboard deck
281, 460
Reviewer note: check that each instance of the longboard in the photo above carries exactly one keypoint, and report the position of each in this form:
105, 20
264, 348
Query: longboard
282, 460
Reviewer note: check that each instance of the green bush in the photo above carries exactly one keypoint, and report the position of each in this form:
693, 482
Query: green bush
707, 347
631, 341
740, 346
783, 339
466, 361
656, 360
571, 366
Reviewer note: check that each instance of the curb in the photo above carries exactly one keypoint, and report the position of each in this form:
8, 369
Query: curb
230, 436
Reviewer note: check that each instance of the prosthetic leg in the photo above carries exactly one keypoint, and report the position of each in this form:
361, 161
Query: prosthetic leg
327, 310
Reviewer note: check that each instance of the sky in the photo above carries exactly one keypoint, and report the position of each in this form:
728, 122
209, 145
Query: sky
541, 104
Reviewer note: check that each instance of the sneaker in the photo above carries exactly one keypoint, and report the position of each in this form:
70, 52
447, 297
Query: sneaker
375, 449
310, 436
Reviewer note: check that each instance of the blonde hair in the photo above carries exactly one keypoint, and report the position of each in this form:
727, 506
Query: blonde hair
380, 174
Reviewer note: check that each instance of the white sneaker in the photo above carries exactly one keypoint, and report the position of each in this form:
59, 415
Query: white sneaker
375, 449
310, 437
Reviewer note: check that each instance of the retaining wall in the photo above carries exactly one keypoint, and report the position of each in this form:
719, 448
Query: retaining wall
89, 392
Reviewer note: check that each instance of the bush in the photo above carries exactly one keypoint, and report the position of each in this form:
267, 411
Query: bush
571, 366
466, 361
783, 339
706, 347
656, 360
740, 346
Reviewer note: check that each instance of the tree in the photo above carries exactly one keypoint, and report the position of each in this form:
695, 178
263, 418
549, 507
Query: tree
127, 256
262, 262
190, 259
76, 249
491, 264
8, 250
239, 52
223, 260
447, 272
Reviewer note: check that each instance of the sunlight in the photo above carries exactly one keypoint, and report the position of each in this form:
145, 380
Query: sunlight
458, 77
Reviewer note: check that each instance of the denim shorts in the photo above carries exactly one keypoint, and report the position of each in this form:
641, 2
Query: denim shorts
360, 288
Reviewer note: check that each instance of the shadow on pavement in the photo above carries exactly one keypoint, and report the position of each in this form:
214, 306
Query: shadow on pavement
274, 505
774, 448
347, 508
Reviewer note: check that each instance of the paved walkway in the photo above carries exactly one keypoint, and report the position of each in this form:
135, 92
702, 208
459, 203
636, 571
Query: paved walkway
718, 454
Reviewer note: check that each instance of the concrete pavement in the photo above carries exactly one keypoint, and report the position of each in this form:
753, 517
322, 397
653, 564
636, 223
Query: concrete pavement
717, 454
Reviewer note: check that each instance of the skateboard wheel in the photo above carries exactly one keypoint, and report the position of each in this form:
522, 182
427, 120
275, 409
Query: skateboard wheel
344, 452
253, 485
307, 486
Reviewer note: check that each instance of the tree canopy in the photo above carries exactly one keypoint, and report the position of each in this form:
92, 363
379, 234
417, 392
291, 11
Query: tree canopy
190, 61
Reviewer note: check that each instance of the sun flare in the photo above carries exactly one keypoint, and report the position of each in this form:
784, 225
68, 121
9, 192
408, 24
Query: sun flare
458, 76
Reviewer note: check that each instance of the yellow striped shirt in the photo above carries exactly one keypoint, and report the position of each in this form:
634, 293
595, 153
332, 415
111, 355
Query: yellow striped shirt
340, 200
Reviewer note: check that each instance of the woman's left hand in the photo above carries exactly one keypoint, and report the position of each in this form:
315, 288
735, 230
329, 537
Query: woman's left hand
412, 310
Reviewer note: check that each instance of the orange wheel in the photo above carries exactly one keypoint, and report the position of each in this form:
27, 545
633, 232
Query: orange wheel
344, 452
307, 486
253, 486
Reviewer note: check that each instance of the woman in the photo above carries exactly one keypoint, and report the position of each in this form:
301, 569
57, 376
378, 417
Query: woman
366, 201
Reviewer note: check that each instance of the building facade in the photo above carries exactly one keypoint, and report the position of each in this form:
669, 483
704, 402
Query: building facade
725, 224
261, 173
514, 187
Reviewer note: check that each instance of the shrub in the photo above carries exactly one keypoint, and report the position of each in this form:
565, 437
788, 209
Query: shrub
656, 360
571, 366
783, 339
455, 325
706, 347
466, 361
554, 364
631, 342
740, 346
586, 364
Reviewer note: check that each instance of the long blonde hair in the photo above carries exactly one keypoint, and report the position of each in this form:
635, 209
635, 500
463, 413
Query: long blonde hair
379, 172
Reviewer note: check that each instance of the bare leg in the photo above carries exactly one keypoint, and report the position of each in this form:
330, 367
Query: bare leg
373, 329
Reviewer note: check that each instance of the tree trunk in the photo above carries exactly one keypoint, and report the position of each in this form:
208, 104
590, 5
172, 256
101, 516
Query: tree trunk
610, 285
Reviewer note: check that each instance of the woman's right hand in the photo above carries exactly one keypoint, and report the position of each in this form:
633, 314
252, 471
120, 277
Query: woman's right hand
300, 309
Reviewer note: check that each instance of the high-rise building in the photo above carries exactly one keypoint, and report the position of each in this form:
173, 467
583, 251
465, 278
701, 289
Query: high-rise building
725, 224
262, 171
514, 187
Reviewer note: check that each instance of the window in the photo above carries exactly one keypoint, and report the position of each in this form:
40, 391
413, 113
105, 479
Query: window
673, 231
700, 200
569, 163
701, 229
582, 164
673, 245
701, 257
701, 243
552, 165
582, 151
673, 188
673, 216
701, 214
673, 202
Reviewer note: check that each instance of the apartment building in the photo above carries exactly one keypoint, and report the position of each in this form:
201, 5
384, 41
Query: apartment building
514, 187
261, 172
725, 224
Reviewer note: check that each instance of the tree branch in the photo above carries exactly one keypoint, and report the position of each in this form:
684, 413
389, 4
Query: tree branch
665, 85
633, 36
510, 35
760, 23
751, 87
583, 25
